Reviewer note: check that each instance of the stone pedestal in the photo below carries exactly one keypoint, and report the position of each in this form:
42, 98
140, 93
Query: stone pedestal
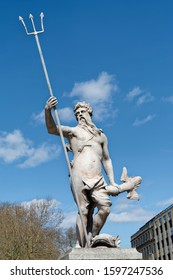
102, 253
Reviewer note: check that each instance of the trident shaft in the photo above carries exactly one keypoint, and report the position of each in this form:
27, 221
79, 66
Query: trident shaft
35, 33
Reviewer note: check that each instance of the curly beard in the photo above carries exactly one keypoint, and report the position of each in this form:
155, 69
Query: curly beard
89, 126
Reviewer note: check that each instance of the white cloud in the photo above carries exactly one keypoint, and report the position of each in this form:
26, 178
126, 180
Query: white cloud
97, 92
39, 202
143, 121
132, 214
136, 91
168, 99
40, 155
121, 213
38, 118
166, 202
145, 98
14, 147
140, 95
69, 219
65, 115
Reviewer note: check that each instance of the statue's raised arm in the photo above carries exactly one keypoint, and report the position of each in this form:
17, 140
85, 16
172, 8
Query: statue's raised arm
52, 128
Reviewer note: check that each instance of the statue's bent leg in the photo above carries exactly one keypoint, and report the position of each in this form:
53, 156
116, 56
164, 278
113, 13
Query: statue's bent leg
100, 219
100, 197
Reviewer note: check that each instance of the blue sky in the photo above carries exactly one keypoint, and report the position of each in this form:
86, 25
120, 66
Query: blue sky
117, 55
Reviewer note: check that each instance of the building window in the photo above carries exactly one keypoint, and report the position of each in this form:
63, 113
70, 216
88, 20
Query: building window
166, 226
148, 235
150, 249
161, 229
169, 215
152, 233
167, 241
154, 248
170, 223
160, 221
144, 252
147, 251
164, 218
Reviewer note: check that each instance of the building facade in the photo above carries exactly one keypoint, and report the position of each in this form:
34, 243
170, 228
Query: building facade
155, 239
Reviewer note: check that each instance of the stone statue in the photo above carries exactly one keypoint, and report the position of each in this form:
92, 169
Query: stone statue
89, 146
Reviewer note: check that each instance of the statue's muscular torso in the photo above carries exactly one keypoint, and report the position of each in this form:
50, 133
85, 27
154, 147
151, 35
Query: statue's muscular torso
87, 150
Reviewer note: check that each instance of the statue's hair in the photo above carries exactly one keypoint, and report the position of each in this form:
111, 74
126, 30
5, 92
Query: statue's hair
84, 105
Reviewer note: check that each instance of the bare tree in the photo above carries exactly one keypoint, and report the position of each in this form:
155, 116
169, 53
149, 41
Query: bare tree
70, 237
30, 231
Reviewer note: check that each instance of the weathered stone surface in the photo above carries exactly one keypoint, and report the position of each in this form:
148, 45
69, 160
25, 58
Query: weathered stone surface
102, 253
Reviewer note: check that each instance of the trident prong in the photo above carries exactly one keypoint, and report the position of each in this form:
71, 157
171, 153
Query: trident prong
32, 21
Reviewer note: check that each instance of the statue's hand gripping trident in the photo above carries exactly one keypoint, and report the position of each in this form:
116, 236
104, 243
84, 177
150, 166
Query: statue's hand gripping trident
35, 33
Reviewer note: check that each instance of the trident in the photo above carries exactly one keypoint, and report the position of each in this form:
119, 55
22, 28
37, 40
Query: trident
35, 33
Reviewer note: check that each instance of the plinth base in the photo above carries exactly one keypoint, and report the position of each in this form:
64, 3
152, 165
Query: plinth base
102, 253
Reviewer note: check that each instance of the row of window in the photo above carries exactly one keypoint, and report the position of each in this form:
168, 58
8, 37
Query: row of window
164, 233
149, 235
166, 218
141, 239
166, 244
150, 249
164, 257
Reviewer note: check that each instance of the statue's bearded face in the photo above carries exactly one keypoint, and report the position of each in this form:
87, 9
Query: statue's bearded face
84, 119
82, 115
